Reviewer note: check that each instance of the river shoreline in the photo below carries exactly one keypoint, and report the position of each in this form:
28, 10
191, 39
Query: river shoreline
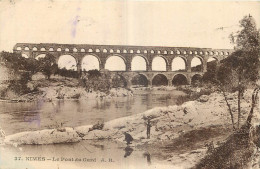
172, 125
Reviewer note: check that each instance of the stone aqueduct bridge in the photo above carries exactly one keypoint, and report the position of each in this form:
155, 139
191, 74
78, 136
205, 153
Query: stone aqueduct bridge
127, 53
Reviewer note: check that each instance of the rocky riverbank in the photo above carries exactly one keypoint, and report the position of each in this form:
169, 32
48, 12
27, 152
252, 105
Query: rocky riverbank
182, 134
60, 89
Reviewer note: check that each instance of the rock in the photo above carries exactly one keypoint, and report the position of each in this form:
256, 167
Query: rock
83, 129
98, 135
50, 136
203, 98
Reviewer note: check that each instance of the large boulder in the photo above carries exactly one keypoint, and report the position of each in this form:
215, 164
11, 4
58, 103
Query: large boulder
48, 136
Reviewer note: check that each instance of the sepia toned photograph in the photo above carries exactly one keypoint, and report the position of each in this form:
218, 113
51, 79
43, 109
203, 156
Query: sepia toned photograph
129, 84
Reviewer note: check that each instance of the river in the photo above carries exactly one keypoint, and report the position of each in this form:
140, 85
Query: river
18, 117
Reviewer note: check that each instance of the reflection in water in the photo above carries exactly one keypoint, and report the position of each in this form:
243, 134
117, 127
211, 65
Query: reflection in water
147, 155
128, 151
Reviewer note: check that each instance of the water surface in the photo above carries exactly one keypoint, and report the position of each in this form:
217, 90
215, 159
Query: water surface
18, 117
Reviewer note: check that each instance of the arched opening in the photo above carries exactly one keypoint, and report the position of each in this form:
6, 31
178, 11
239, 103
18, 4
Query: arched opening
18, 48
158, 64
160, 80
82, 50
40, 56
196, 79
90, 62
178, 64
118, 81
26, 48
138, 64
179, 79
68, 62
196, 64
43, 49
25, 55
139, 80
115, 63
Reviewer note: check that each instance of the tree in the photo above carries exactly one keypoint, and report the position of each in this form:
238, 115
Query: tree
94, 74
242, 66
14, 61
48, 65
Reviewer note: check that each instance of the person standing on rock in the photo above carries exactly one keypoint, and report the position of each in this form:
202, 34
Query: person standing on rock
128, 138
148, 125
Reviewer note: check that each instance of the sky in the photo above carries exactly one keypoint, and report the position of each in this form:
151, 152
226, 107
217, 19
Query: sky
146, 23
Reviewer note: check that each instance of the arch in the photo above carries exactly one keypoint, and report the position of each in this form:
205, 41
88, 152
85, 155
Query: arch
222, 53
35, 49
25, 55
152, 51
75, 49
43, 49
111, 50
90, 50
26, 48
124, 51
159, 80
190, 52
201, 52
90, 62
159, 63
139, 80
82, 50
138, 51
179, 63
68, 62
131, 51
158, 52
211, 53
118, 51
97, 50
179, 79
178, 52
184, 52
58, 49
118, 81
196, 79
139, 63
212, 59
172, 52
216, 53
196, 64
51, 50
145, 51
165, 52
104, 51
18, 48
40, 56
195, 52
67, 49
206, 53
115, 63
